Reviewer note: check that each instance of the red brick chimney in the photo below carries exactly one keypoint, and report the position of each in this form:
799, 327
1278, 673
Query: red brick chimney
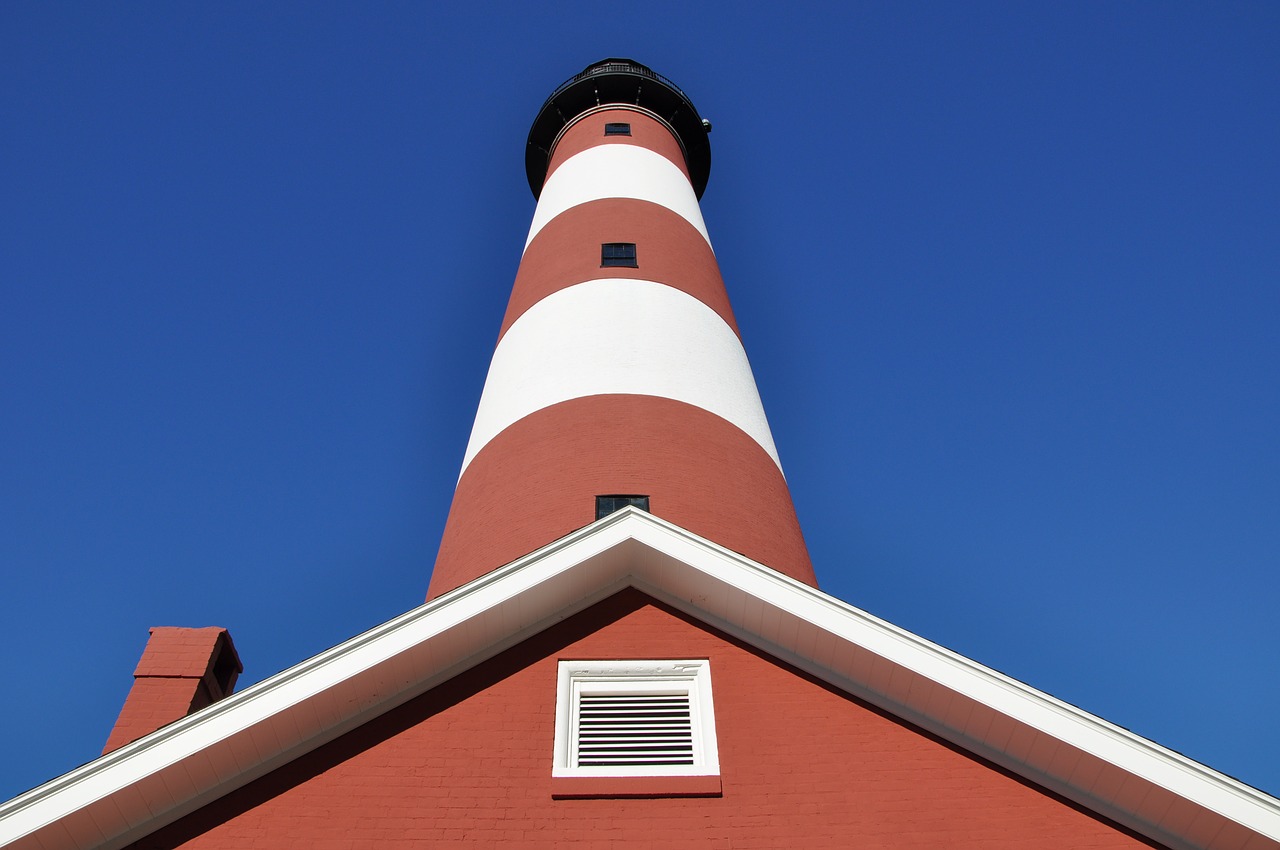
181, 671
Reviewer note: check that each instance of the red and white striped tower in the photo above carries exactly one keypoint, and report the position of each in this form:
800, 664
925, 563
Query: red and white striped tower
619, 369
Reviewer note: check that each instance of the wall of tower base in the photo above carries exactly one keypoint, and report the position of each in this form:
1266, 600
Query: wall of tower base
801, 765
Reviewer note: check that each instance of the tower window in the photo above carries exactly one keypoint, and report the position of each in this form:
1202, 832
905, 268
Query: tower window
635, 718
618, 254
606, 505
617, 129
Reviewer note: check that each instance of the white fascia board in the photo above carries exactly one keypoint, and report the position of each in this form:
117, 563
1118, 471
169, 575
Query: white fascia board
627, 548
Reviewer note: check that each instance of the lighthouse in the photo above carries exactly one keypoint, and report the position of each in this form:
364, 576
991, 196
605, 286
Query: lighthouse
619, 376
623, 643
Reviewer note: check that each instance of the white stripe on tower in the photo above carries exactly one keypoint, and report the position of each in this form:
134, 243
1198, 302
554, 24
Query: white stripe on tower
618, 380
633, 337
617, 171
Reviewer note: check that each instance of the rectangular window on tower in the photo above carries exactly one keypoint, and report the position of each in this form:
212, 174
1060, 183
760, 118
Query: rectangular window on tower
618, 254
606, 505
617, 129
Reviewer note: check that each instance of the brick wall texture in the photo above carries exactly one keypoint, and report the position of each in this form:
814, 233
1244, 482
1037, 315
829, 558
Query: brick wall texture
537, 481
168, 682
469, 763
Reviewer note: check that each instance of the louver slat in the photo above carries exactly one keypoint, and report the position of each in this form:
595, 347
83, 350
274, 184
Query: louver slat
634, 730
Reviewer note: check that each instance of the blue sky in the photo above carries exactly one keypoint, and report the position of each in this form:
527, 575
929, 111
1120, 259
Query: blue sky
1007, 274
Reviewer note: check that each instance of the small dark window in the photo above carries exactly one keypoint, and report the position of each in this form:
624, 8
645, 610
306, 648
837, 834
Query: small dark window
606, 505
617, 129
618, 254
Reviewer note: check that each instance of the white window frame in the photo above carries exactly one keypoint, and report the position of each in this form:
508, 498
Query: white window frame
692, 677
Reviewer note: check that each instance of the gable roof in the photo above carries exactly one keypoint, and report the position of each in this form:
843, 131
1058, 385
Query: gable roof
135, 790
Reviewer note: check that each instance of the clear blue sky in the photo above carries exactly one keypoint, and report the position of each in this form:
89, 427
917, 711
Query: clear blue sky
1007, 272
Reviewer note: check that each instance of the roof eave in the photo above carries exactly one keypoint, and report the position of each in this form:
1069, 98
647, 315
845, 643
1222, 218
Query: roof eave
132, 791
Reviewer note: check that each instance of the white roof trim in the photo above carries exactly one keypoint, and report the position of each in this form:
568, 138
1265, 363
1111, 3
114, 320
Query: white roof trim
134, 790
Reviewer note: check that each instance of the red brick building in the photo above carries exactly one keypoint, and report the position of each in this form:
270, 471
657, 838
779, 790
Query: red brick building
623, 643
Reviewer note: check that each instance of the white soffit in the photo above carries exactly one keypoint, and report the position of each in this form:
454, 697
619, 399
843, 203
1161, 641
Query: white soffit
137, 789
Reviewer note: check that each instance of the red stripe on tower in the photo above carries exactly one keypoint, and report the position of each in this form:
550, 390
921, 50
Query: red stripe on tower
619, 369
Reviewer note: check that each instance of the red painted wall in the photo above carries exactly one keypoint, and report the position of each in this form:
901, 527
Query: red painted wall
587, 132
669, 250
537, 481
802, 766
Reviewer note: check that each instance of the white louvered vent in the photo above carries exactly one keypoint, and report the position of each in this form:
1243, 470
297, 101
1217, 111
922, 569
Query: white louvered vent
639, 729
635, 718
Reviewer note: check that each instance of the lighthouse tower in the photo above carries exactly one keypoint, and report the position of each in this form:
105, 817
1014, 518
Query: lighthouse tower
619, 375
